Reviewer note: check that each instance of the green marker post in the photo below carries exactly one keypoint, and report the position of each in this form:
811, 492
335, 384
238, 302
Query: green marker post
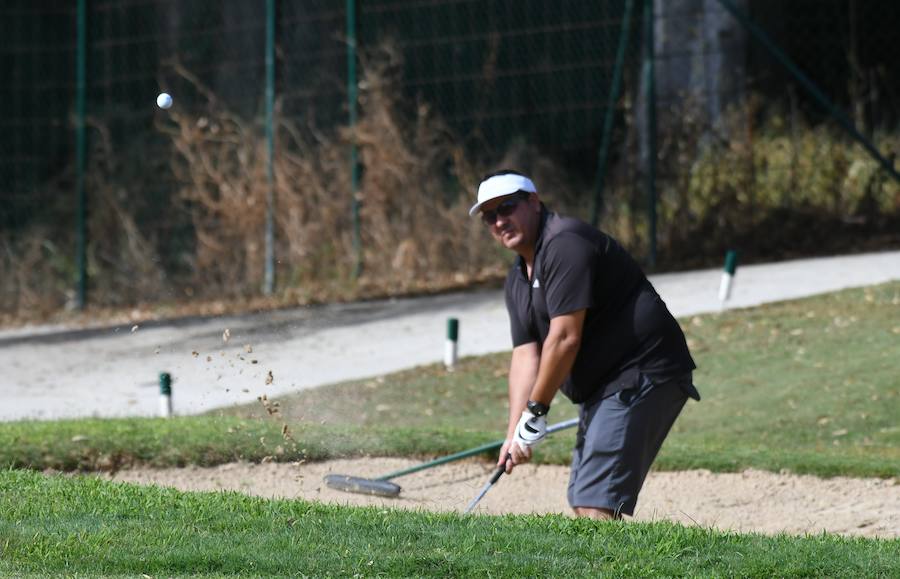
450, 345
165, 395
728, 275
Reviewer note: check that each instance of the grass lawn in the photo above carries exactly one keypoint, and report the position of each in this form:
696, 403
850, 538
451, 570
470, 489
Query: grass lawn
62, 526
809, 386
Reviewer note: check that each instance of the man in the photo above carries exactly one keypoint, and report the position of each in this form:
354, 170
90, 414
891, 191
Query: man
584, 320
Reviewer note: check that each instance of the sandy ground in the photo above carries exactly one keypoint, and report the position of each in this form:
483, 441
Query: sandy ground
751, 501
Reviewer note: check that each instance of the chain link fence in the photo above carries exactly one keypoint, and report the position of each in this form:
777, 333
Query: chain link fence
339, 142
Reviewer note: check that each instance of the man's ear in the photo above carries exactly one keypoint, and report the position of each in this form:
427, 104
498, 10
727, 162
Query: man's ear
535, 202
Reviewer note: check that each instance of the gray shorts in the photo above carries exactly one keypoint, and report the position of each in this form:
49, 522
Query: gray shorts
618, 439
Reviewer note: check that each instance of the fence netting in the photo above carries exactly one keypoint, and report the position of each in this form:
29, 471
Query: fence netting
364, 172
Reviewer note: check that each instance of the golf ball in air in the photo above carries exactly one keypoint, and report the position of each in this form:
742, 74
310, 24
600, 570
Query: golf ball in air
164, 100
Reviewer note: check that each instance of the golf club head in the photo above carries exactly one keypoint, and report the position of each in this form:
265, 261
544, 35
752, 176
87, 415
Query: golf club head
365, 486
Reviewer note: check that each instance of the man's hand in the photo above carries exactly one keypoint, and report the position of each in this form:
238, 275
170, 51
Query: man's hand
511, 455
530, 430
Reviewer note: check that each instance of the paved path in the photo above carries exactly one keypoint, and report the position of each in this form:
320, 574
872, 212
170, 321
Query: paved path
54, 373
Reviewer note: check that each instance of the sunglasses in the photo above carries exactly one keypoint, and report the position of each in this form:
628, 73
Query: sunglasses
505, 209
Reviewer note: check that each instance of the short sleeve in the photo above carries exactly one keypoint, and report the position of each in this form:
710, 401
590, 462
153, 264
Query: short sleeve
568, 274
519, 329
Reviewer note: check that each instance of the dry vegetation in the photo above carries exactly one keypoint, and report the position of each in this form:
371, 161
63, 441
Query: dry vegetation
415, 232
201, 242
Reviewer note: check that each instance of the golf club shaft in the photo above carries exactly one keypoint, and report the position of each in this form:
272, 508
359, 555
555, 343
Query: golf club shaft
502, 468
494, 478
472, 452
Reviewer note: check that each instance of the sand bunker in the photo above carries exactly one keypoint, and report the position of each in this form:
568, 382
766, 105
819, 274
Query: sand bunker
750, 501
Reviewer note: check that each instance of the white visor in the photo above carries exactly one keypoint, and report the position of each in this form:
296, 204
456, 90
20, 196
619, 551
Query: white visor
499, 186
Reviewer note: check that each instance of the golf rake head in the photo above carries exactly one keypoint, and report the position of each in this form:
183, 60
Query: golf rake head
365, 486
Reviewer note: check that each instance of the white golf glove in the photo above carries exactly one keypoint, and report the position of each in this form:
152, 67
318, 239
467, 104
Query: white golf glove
530, 430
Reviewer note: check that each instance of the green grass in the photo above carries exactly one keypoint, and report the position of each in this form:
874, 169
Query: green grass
82, 526
95, 444
809, 386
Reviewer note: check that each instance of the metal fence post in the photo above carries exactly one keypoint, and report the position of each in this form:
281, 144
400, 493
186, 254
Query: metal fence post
650, 97
81, 152
610, 115
354, 153
269, 280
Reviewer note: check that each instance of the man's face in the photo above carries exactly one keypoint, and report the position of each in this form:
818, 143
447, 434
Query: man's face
513, 220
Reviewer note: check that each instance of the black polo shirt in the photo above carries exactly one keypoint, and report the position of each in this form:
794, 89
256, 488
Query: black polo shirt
627, 328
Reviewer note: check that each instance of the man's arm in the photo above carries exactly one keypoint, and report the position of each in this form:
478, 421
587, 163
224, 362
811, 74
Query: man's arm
558, 355
547, 368
523, 371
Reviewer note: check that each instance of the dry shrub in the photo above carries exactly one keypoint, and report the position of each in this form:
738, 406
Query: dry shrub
32, 274
413, 198
415, 186
38, 265
123, 264
220, 168
223, 187
771, 184
314, 206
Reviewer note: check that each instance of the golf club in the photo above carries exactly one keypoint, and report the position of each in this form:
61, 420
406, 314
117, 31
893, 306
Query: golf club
494, 478
382, 486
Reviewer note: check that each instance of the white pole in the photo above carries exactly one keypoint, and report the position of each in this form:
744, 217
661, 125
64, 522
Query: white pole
165, 395
450, 344
728, 275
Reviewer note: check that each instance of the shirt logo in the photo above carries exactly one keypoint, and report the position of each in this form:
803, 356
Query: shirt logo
536, 283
